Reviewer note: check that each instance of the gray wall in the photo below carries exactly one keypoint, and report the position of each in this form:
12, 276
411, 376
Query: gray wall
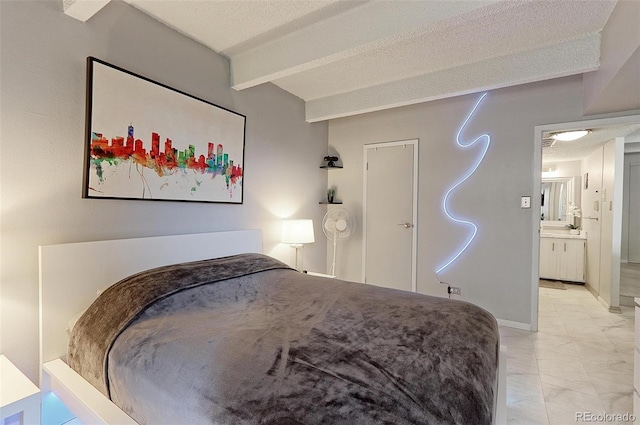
42, 70
495, 272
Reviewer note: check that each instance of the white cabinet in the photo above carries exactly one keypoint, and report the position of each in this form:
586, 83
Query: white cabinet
548, 258
19, 397
571, 263
562, 259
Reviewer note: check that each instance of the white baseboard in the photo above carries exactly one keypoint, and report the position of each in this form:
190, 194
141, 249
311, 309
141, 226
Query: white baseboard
603, 302
591, 289
610, 308
515, 325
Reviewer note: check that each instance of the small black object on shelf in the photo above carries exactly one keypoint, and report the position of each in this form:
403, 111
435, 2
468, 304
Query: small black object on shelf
331, 162
330, 203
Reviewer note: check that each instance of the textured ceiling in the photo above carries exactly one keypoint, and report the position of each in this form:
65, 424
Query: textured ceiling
231, 26
578, 149
349, 57
468, 39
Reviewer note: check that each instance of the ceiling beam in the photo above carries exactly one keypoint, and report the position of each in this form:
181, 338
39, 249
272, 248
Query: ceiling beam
83, 10
622, 92
615, 87
342, 36
568, 58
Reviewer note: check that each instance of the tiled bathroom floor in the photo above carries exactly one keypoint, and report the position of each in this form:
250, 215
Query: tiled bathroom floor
580, 360
629, 282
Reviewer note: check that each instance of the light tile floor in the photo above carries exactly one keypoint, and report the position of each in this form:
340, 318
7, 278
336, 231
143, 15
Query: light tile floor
580, 360
629, 282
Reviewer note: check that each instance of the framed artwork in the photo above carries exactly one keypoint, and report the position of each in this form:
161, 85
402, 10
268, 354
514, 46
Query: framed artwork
147, 141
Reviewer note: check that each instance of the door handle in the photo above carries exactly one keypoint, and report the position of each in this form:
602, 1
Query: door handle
406, 225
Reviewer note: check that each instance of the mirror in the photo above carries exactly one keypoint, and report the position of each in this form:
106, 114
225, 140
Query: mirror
556, 195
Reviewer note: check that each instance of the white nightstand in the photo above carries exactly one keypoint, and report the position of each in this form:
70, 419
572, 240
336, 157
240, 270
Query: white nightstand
19, 397
328, 276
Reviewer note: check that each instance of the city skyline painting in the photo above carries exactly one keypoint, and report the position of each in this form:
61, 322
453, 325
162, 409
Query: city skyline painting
148, 141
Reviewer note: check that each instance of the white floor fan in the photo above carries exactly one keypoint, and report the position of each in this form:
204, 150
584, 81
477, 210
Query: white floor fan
337, 224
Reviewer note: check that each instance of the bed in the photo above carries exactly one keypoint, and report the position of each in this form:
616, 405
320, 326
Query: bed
266, 343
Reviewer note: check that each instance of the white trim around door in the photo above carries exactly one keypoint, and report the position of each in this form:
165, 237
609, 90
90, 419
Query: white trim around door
537, 178
414, 244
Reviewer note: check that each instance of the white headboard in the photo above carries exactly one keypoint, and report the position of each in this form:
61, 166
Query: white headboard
70, 274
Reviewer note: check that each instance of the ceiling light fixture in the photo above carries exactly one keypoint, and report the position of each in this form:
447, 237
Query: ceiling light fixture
569, 136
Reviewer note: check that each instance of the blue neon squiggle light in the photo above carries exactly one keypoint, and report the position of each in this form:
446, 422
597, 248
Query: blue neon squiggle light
445, 201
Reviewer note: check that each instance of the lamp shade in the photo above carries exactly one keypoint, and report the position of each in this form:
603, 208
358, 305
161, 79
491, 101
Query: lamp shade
297, 231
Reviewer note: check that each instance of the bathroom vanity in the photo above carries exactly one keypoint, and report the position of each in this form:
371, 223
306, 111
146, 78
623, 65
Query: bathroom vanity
562, 257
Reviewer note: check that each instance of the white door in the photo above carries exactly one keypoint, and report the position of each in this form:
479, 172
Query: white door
390, 208
591, 215
634, 213
606, 225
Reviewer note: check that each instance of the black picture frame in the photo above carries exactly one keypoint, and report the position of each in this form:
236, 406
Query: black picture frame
147, 141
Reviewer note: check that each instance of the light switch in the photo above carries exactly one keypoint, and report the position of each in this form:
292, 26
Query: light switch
525, 202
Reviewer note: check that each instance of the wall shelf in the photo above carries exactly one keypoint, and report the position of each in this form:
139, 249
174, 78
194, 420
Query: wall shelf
330, 163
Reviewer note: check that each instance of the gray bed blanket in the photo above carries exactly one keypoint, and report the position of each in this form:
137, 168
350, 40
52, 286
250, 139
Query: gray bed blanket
247, 340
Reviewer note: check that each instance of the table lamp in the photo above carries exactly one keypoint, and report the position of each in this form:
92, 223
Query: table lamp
297, 233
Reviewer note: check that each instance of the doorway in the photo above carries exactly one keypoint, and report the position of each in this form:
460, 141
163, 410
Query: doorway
633, 239
390, 207
630, 267
612, 202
